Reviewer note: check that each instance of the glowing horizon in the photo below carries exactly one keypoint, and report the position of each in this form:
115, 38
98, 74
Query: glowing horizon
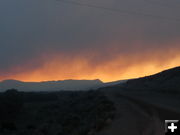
106, 80
81, 68
45, 40
39, 79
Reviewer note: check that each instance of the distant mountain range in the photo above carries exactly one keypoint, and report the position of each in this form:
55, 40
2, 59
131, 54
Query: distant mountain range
140, 104
55, 85
165, 80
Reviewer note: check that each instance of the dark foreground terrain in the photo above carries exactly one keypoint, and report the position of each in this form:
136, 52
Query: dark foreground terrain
137, 107
143, 104
55, 113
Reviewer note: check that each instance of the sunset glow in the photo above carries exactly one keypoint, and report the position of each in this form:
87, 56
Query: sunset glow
83, 67
50, 40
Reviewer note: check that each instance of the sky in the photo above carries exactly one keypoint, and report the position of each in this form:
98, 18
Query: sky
43, 40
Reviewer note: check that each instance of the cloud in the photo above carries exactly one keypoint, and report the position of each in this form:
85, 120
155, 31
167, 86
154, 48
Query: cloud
42, 37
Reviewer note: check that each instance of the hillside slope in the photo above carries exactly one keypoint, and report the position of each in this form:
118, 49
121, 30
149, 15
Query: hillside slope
143, 104
165, 80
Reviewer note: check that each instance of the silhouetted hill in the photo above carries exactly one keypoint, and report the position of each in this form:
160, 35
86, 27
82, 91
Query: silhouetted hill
144, 103
134, 107
165, 80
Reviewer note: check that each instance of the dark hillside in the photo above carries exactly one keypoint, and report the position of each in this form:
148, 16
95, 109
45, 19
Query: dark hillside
163, 81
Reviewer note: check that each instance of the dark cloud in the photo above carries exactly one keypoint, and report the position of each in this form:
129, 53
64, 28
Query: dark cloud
33, 29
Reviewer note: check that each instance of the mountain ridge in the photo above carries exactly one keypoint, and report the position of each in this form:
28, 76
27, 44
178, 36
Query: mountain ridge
70, 84
164, 80
50, 85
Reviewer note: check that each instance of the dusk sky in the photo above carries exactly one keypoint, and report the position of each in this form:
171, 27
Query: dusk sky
44, 40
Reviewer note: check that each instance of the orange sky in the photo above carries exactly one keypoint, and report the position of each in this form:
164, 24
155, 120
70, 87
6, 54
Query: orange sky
79, 70
50, 40
91, 65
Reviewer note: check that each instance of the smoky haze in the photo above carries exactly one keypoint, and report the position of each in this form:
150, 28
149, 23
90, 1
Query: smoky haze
37, 35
